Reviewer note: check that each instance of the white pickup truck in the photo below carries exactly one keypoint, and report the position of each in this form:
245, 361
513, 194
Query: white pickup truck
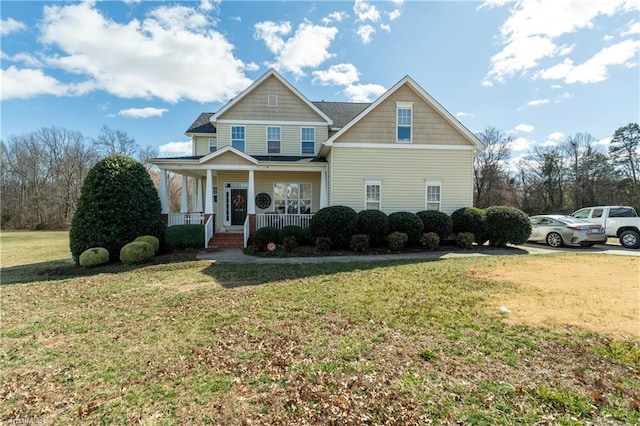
618, 221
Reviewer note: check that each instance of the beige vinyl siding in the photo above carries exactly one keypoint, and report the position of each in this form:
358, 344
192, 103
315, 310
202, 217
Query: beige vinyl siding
404, 174
256, 138
254, 105
428, 126
202, 145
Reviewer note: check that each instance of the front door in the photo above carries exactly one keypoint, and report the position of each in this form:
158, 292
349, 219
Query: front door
238, 206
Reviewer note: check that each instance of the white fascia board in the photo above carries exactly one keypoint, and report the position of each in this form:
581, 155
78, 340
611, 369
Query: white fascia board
395, 145
273, 122
227, 148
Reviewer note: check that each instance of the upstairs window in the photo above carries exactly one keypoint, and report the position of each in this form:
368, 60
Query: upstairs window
272, 100
273, 140
238, 137
372, 195
434, 200
308, 138
404, 120
213, 144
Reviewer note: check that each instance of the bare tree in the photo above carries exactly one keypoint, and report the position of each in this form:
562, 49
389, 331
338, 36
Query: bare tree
625, 156
490, 176
110, 141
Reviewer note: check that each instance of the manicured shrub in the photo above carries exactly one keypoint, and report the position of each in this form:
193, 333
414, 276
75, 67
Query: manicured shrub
150, 239
117, 203
507, 225
397, 240
292, 231
180, 237
135, 253
266, 235
373, 223
464, 239
407, 223
471, 219
430, 241
359, 243
290, 244
335, 222
323, 244
94, 257
436, 221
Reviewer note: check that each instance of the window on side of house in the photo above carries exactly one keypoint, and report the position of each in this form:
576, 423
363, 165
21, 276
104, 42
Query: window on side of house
292, 198
272, 100
372, 195
273, 140
404, 121
213, 144
433, 196
238, 137
308, 140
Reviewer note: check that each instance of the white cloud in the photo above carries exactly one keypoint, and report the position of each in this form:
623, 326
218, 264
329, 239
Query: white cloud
607, 37
464, 114
529, 34
176, 148
556, 136
365, 11
27, 83
393, 15
308, 47
163, 56
365, 32
251, 66
537, 102
337, 16
209, 5
525, 128
556, 86
363, 92
385, 27
24, 58
604, 142
493, 3
634, 28
548, 143
142, 112
520, 144
594, 69
10, 25
340, 74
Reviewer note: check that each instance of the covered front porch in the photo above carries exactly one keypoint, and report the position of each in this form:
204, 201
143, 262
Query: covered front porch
230, 192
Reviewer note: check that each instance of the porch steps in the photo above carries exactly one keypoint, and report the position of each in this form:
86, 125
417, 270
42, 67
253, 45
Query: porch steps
222, 240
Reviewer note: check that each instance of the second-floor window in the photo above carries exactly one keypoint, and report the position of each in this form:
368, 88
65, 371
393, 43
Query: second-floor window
273, 140
238, 137
404, 114
308, 138
213, 144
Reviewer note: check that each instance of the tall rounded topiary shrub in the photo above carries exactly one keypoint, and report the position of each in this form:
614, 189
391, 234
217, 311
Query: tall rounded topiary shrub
470, 219
507, 225
407, 223
436, 221
118, 203
336, 223
375, 224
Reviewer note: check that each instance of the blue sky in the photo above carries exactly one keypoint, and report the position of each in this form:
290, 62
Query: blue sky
540, 70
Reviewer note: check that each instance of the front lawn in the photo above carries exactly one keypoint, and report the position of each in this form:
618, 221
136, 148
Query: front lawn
181, 341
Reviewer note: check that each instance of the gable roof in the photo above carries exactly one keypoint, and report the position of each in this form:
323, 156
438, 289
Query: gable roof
258, 82
428, 99
341, 112
223, 151
202, 125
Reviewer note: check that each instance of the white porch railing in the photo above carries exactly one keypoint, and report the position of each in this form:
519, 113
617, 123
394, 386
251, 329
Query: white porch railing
185, 219
281, 220
208, 231
247, 230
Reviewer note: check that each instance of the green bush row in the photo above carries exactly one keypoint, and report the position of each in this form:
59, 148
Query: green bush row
138, 251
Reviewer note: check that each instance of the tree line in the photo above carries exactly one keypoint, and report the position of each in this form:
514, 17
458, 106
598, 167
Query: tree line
41, 173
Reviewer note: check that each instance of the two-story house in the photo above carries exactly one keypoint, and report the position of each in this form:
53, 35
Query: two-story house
270, 156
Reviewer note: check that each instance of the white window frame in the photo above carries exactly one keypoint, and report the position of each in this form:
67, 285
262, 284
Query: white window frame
403, 106
427, 202
302, 141
301, 205
369, 201
213, 142
272, 101
273, 140
244, 141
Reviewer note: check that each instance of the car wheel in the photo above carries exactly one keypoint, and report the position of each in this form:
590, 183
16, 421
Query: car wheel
630, 239
554, 239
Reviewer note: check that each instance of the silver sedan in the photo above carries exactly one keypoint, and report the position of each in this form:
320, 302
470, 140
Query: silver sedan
557, 230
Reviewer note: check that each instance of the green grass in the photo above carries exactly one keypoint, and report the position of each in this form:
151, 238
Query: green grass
180, 341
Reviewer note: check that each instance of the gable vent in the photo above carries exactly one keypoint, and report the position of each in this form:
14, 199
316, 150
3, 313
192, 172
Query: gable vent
272, 100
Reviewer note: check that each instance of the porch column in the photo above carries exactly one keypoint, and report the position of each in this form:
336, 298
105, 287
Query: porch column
324, 202
164, 203
208, 201
198, 197
251, 195
184, 205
